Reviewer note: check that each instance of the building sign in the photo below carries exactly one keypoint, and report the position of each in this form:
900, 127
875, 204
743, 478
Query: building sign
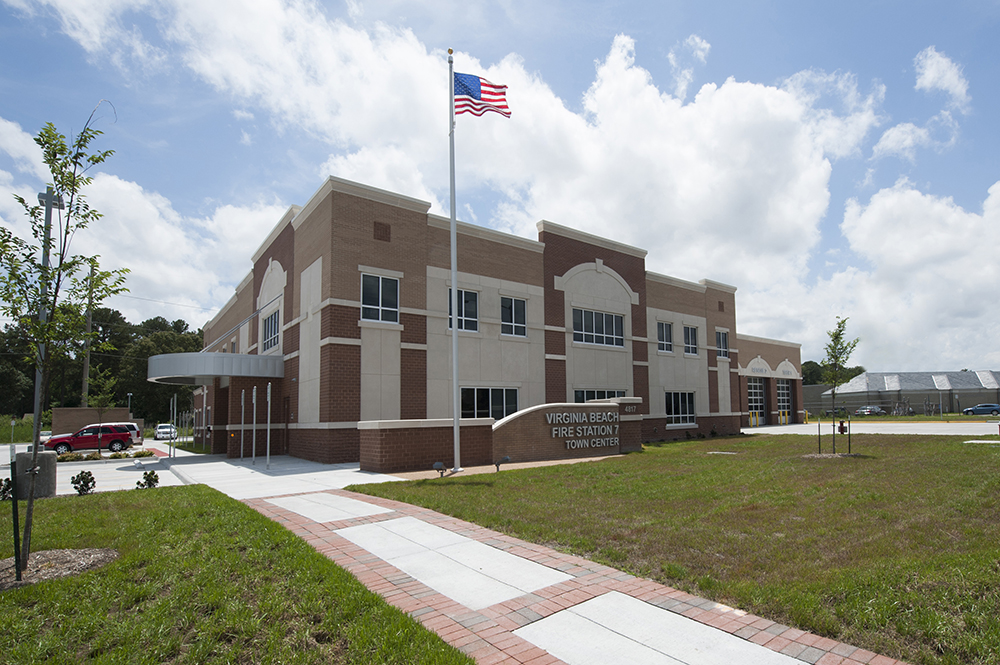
582, 429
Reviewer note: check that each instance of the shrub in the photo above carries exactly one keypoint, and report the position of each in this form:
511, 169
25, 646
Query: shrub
143, 453
148, 482
84, 482
94, 456
6, 489
118, 456
70, 457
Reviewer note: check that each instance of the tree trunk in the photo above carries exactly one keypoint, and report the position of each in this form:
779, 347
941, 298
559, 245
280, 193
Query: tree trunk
32, 474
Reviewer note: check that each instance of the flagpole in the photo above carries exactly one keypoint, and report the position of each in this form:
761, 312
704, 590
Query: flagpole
456, 402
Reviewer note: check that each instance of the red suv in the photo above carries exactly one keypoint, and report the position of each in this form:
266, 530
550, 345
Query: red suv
112, 437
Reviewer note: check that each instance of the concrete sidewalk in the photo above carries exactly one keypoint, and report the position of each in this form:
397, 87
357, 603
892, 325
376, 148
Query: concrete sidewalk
497, 598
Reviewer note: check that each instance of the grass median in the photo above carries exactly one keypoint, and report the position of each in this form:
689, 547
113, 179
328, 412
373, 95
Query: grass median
200, 578
896, 550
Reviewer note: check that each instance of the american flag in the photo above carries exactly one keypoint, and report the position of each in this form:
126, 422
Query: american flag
476, 95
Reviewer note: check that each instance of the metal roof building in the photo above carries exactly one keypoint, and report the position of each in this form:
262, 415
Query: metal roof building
924, 392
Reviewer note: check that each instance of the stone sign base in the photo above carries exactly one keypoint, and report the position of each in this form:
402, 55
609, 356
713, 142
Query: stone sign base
544, 432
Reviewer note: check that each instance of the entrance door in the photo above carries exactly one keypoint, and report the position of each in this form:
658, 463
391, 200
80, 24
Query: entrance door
755, 401
784, 401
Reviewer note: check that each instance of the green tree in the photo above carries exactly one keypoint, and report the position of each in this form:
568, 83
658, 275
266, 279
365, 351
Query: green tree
150, 400
16, 387
101, 395
812, 373
838, 351
44, 288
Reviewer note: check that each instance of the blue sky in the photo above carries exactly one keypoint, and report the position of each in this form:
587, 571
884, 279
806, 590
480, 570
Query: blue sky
825, 158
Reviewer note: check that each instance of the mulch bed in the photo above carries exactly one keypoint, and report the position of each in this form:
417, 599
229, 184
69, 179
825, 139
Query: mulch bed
52, 564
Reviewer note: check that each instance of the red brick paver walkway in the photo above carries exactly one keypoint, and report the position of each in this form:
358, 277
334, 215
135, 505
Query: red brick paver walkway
486, 635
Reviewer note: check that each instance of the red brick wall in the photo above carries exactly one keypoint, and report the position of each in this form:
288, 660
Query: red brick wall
555, 380
291, 388
227, 439
340, 321
340, 383
655, 429
413, 384
418, 448
561, 255
328, 446
640, 381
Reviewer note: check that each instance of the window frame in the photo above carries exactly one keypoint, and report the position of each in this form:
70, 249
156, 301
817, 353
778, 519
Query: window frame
382, 309
466, 323
722, 344
513, 327
583, 396
680, 407
690, 340
665, 342
591, 326
489, 402
270, 331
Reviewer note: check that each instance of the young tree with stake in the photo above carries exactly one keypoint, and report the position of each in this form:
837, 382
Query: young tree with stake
44, 288
838, 351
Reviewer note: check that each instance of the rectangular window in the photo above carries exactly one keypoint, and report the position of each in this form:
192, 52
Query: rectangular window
513, 320
468, 310
598, 328
581, 396
665, 336
493, 403
690, 340
379, 298
232, 346
271, 330
680, 408
721, 344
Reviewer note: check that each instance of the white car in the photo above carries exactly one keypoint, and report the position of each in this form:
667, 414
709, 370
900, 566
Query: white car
165, 431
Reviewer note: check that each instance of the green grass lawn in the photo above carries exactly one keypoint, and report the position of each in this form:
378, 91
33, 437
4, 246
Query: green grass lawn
201, 578
896, 551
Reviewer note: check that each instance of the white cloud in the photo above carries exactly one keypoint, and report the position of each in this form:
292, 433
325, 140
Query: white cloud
21, 147
694, 47
921, 305
740, 172
902, 140
732, 185
936, 71
172, 258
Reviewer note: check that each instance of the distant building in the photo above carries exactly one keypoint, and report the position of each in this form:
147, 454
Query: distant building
346, 313
923, 392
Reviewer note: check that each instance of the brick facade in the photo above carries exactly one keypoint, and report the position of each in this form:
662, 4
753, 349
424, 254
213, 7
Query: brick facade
392, 450
346, 230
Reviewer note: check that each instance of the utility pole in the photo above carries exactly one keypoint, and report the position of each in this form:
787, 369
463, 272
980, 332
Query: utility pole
86, 340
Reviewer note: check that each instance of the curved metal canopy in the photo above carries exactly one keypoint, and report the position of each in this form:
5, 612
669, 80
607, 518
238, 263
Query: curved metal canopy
195, 369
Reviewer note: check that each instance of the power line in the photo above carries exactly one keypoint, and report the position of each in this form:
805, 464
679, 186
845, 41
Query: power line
164, 302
